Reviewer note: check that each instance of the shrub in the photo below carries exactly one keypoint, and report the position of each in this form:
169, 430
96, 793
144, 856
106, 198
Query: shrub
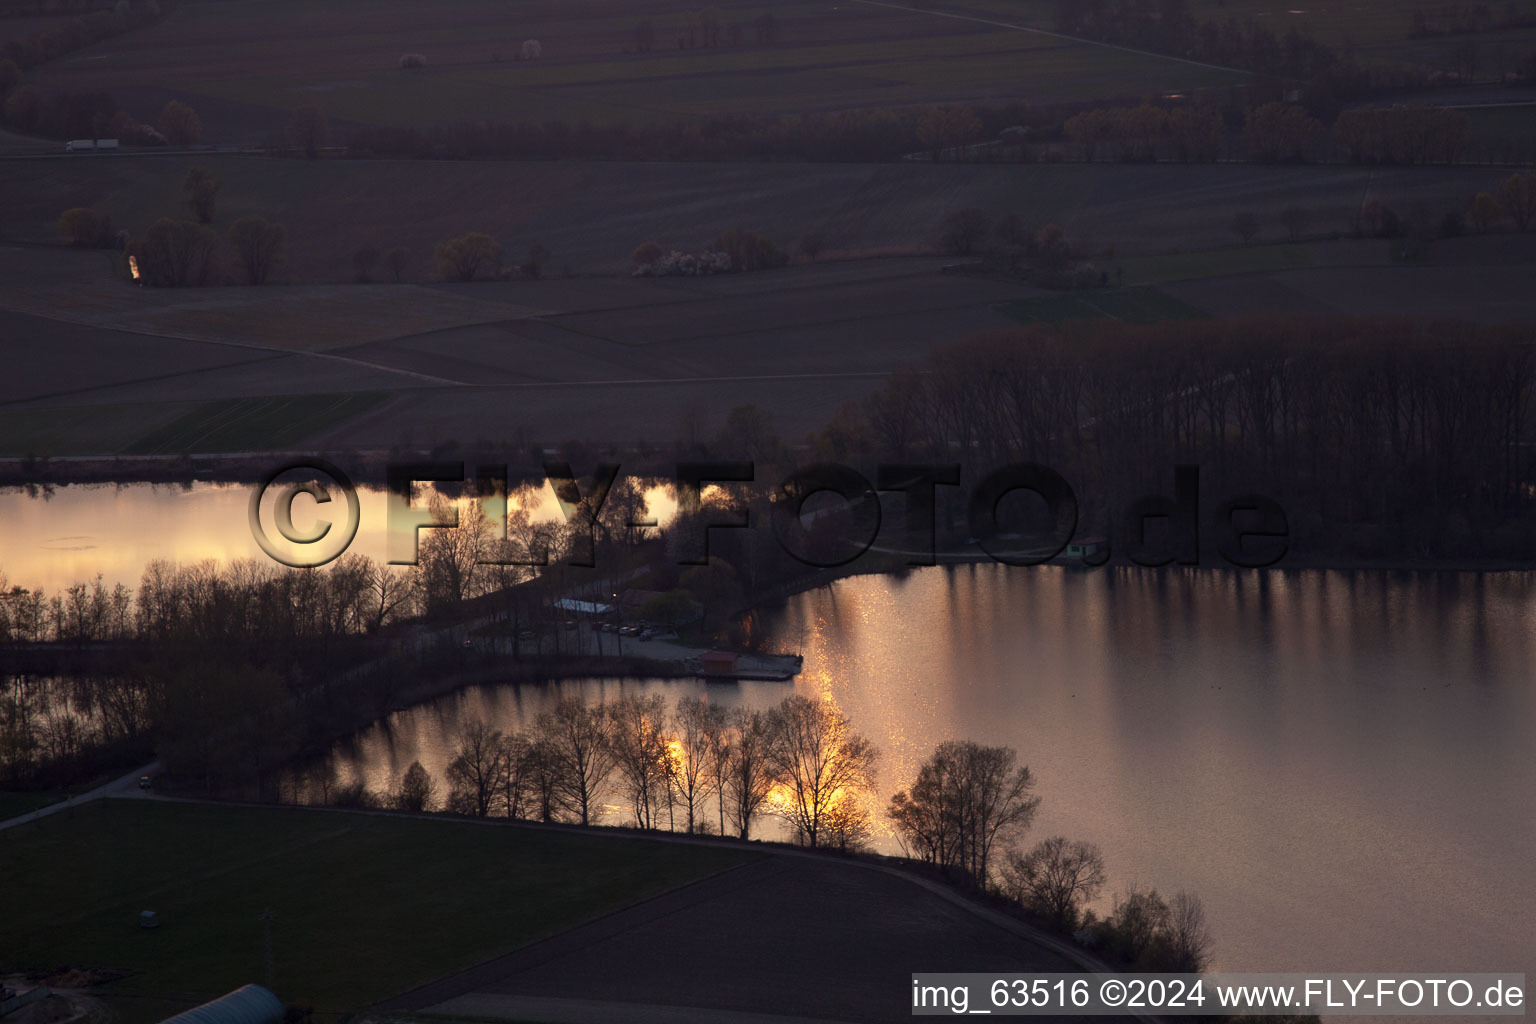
1055, 879
1517, 198
259, 243
460, 259
418, 790
85, 229
1152, 934
175, 253
533, 266
395, 261
686, 264
646, 254
180, 124
202, 191
1485, 212
963, 231
748, 250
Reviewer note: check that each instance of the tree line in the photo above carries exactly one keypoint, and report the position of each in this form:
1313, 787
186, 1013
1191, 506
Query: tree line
85, 29
699, 768
1381, 438
694, 767
1272, 132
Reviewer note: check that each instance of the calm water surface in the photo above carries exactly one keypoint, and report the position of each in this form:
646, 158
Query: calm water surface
52, 538
1340, 764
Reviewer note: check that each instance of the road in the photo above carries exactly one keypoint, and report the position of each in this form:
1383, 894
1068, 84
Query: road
129, 783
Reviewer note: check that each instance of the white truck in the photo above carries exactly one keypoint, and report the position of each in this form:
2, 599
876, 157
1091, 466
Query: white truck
87, 145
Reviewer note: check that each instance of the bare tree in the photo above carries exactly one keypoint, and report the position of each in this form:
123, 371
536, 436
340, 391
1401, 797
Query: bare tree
541, 765
202, 191
750, 778
1187, 936
1055, 879
692, 757
718, 741
395, 261
517, 783
451, 555
259, 243
640, 752
477, 773
309, 130
814, 752
966, 799
580, 752
390, 591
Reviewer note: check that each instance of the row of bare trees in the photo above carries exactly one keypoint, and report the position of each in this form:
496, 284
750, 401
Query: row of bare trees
801, 762
1419, 428
695, 766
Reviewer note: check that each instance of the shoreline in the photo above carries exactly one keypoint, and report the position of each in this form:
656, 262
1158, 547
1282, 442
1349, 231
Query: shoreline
368, 468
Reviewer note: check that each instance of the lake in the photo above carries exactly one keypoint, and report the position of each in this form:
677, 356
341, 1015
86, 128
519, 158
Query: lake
56, 536
1339, 763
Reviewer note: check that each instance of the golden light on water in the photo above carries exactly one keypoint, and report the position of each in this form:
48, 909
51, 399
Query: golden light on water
73, 533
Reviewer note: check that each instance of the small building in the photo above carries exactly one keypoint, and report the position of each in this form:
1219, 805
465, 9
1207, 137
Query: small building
571, 604
718, 663
250, 1004
1088, 547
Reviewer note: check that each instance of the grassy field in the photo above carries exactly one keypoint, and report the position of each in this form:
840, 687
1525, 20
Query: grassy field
366, 906
13, 804
251, 424
1128, 305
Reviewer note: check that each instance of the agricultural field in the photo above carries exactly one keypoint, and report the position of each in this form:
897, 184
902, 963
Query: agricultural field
589, 352
592, 215
1375, 30
1127, 305
246, 66
338, 944
250, 424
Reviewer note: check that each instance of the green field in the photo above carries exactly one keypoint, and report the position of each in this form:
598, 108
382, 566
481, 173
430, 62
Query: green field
1128, 305
252, 424
14, 804
367, 906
